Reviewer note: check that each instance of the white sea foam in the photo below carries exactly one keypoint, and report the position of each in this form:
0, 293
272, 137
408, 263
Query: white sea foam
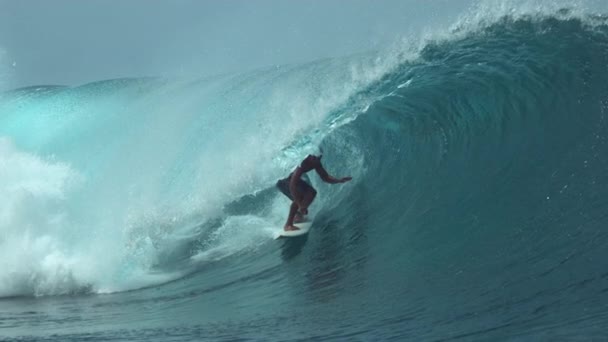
34, 256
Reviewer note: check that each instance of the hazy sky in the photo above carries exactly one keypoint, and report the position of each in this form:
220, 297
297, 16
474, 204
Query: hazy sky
78, 41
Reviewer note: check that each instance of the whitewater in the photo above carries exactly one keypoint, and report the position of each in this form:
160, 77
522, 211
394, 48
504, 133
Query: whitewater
145, 208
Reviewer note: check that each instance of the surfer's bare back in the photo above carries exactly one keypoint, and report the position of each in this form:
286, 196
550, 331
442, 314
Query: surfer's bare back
302, 193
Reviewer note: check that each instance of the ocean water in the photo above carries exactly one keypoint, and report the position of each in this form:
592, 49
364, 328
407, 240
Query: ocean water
145, 209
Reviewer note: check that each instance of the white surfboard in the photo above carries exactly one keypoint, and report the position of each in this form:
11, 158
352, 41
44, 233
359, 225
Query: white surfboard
304, 229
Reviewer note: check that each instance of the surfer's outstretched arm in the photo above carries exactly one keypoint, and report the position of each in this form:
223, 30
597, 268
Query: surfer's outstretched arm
330, 179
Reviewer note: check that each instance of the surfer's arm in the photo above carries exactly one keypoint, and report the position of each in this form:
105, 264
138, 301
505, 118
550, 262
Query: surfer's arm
330, 179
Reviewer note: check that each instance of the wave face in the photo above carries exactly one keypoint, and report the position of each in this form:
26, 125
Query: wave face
477, 210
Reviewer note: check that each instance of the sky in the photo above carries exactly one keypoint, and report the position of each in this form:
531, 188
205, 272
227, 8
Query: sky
73, 42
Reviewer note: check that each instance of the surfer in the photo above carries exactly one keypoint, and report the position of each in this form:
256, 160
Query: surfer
302, 193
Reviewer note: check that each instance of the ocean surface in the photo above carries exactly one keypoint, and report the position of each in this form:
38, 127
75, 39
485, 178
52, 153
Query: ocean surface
145, 209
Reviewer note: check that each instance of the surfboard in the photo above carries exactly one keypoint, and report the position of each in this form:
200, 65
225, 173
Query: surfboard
304, 229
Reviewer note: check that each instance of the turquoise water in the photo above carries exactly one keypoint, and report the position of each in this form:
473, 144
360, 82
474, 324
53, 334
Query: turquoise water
145, 209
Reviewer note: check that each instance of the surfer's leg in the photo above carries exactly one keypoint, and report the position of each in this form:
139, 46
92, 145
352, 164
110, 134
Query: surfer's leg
299, 217
308, 194
308, 197
292, 213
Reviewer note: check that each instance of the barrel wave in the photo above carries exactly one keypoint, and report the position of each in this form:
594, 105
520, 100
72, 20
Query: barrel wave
146, 208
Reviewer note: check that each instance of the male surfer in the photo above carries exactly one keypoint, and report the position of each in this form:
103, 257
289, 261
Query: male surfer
300, 192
